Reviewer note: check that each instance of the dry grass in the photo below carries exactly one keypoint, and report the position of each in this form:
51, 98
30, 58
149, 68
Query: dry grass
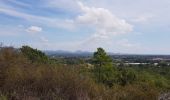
22, 80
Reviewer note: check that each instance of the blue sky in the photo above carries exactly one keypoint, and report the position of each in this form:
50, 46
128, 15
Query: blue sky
119, 26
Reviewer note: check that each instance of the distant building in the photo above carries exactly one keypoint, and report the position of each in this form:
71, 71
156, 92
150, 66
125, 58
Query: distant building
157, 59
136, 63
155, 64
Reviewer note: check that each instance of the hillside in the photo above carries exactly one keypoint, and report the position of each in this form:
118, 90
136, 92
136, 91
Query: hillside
28, 74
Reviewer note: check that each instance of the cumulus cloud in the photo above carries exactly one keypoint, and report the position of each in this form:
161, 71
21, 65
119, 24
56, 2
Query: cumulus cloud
100, 19
104, 24
103, 21
34, 29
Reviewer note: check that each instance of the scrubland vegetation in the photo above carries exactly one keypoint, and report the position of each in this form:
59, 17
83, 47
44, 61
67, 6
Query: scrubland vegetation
28, 74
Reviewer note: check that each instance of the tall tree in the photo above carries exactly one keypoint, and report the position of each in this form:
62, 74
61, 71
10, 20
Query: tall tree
103, 66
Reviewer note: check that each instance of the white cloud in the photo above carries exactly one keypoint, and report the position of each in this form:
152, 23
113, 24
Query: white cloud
103, 21
104, 24
52, 22
18, 14
34, 29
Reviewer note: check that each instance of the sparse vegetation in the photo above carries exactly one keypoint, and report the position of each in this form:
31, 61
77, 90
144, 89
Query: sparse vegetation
26, 74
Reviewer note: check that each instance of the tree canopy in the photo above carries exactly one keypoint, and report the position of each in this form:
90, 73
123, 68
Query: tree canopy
103, 67
34, 55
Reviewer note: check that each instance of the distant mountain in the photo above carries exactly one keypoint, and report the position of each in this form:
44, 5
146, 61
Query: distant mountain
77, 53
68, 53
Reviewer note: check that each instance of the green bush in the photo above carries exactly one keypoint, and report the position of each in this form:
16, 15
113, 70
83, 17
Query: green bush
34, 55
126, 76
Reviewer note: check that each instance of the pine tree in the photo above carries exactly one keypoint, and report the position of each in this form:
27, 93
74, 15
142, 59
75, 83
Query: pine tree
103, 66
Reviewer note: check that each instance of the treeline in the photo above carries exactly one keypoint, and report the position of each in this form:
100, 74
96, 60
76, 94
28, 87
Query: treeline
28, 74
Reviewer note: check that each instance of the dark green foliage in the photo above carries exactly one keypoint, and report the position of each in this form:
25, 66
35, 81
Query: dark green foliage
101, 59
106, 72
126, 76
103, 67
34, 55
